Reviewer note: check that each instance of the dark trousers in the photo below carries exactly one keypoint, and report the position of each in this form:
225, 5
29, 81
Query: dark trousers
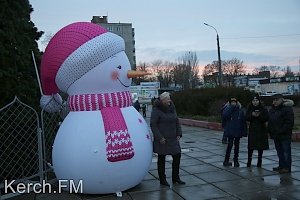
259, 158
224, 139
283, 148
175, 167
236, 142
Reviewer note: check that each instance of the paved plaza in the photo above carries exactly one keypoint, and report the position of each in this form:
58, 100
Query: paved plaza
205, 176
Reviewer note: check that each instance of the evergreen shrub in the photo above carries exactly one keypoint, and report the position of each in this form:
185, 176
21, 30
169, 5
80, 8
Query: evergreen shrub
207, 101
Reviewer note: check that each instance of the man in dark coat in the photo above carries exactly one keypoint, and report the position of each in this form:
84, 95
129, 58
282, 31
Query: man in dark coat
144, 107
167, 133
281, 122
258, 116
235, 128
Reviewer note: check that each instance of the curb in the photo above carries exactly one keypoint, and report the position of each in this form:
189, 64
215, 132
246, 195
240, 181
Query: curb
218, 126
202, 124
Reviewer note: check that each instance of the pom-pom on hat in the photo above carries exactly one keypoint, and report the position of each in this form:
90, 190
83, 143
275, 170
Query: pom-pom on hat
164, 95
75, 50
233, 99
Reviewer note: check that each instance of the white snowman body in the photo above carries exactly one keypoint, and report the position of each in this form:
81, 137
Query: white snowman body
79, 150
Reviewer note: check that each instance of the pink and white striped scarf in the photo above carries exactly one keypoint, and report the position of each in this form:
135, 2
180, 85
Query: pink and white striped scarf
118, 143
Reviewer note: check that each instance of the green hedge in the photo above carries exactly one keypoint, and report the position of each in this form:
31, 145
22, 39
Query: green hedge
207, 101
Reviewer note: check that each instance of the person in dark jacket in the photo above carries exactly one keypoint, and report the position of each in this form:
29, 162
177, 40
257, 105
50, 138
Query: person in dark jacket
235, 128
167, 132
137, 105
281, 122
144, 107
257, 115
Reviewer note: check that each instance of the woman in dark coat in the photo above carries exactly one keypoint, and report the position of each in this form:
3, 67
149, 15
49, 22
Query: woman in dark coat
167, 133
257, 115
235, 128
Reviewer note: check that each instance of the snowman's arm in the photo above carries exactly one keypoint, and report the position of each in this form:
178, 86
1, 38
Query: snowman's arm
51, 103
154, 121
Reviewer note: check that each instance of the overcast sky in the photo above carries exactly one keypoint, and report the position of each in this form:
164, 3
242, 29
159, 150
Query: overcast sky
258, 32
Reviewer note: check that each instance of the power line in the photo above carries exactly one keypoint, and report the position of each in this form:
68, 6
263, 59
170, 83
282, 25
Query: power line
266, 36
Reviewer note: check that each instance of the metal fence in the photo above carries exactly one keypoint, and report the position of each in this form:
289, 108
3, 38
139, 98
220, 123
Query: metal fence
26, 140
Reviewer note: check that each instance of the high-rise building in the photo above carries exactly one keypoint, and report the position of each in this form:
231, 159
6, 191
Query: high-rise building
124, 30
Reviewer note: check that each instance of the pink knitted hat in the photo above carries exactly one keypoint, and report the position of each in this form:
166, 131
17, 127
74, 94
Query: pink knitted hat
75, 50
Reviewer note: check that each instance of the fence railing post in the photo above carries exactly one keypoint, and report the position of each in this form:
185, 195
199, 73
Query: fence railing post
41, 157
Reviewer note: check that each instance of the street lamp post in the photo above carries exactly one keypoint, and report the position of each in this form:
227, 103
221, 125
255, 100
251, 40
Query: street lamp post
219, 56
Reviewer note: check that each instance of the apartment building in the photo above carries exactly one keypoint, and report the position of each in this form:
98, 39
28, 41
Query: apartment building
124, 30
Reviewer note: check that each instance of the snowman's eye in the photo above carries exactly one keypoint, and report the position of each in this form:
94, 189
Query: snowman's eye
119, 67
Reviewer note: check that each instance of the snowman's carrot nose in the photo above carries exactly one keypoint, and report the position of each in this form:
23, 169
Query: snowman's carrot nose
133, 74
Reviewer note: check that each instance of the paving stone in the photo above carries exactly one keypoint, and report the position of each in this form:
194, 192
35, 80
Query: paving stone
201, 192
205, 176
200, 168
104, 197
240, 186
147, 185
61, 196
215, 158
30, 196
155, 195
250, 172
217, 176
190, 180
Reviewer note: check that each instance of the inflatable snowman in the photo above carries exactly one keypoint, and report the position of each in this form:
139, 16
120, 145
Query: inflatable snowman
104, 143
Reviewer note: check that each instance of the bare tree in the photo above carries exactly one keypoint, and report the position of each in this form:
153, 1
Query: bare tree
143, 67
210, 69
230, 68
288, 72
188, 66
180, 76
184, 72
257, 70
233, 68
161, 71
274, 70
156, 65
165, 74
210, 73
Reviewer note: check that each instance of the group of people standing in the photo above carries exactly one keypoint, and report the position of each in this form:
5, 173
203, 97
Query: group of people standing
277, 122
